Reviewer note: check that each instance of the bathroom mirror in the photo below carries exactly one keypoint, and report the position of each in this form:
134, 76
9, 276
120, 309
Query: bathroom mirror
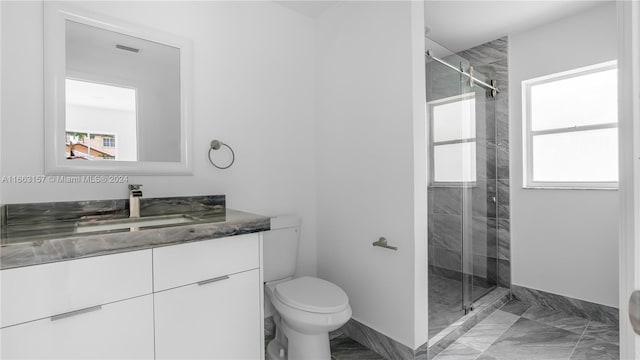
116, 96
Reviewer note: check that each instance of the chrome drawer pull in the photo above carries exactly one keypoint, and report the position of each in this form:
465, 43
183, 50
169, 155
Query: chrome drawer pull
76, 312
209, 281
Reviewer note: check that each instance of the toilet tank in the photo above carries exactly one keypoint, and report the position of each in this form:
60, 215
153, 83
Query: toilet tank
280, 248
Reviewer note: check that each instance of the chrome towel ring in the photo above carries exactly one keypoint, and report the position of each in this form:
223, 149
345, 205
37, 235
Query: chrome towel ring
216, 145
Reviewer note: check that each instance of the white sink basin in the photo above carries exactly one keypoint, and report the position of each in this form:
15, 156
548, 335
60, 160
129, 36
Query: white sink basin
132, 224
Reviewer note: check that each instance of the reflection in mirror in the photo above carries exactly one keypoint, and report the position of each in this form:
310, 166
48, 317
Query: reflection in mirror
117, 95
122, 96
100, 121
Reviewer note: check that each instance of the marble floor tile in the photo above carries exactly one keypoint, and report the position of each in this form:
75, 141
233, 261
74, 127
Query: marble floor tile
535, 333
442, 315
557, 318
516, 307
528, 339
458, 352
344, 348
336, 334
445, 303
486, 332
605, 332
589, 348
486, 357
500, 317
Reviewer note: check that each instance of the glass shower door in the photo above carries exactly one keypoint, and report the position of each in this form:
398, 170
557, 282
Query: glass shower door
479, 224
450, 111
462, 192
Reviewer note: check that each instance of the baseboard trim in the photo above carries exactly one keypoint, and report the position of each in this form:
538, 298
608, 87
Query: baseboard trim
381, 344
582, 308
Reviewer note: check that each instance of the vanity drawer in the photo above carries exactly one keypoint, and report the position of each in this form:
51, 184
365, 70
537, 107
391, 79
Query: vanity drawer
120, 330
40, 291
190, 263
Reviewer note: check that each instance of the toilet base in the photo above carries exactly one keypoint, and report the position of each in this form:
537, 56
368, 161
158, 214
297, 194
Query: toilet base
306, 346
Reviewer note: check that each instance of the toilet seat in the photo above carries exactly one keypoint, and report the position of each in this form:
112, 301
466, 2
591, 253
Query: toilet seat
312, 295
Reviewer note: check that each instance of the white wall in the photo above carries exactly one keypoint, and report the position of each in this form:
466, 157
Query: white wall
562, 241
253, 86
370, 90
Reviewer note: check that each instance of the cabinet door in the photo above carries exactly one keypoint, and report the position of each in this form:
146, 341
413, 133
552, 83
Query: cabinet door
206, 259
120, 330
214, 320
36, 292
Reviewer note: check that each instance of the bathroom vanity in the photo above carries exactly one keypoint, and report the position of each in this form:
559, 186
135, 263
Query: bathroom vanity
89, 280
191, 290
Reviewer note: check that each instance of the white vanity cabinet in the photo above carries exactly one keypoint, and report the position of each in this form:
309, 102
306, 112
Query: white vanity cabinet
208, 299
93, 308
197, 300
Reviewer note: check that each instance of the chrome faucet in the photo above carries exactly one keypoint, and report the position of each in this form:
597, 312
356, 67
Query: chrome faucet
134, 200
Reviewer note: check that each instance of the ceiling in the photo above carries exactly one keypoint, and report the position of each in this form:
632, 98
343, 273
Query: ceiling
310, 8
460, 25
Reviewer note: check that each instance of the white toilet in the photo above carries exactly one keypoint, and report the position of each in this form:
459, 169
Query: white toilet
306, 309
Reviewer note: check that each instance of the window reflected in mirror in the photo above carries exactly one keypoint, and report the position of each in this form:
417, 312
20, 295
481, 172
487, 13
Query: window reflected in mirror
124, 91
101, 121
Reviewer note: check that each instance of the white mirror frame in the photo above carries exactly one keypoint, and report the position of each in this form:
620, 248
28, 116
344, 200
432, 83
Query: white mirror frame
55, 16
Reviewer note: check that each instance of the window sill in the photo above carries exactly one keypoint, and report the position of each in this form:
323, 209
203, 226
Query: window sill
568, 188
455, 185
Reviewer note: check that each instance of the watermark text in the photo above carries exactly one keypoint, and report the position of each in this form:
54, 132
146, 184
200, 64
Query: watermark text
65, 179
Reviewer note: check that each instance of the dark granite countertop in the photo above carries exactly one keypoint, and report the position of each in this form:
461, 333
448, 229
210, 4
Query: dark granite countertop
53, 241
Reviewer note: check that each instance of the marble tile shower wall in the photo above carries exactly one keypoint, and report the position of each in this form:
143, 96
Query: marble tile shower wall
490, 221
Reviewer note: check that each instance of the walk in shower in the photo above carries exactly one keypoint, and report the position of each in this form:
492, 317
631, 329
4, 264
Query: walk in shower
463, 181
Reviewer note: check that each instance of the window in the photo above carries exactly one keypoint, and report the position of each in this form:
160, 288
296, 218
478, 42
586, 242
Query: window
108, 142
571, 128
102, 111
453, 140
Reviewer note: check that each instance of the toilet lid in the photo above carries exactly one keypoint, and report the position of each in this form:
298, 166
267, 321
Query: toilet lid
312, 294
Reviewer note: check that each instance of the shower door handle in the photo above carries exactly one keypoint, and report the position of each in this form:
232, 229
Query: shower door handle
634, 311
